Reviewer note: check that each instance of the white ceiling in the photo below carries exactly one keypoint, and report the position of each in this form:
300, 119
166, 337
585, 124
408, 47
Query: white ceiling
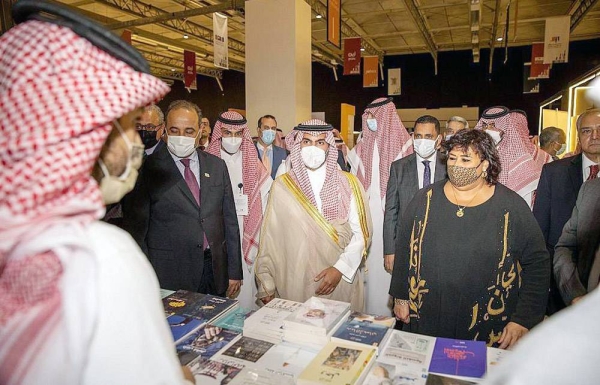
386, 26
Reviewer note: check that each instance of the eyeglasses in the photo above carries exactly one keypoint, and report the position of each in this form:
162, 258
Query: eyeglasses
587, 131
147, 127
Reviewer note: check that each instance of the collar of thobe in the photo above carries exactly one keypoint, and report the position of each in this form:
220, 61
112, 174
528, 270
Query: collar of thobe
231, 157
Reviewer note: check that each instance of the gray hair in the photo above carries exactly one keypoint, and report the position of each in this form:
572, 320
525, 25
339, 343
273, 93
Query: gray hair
161, 115
550, 134
179, 104
586, 113
458, 119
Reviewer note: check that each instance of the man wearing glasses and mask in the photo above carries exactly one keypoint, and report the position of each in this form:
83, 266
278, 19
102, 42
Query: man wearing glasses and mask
150, 127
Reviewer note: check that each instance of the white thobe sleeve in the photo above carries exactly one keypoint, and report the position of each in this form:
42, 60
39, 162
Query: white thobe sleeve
351, 258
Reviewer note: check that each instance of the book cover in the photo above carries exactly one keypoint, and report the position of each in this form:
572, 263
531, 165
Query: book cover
180, 302
408, 350
257, 376
386, 321
204, 343
208, 372
338, 364
388, 374
494, 357
317, 314
269, 318
459, 358
247, 349
234, 320
181, 326
286, 359
437, 379
362, 333
210, 307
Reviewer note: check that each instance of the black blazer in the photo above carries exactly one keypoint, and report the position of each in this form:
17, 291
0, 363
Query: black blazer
163, 217
402, 187
555, 197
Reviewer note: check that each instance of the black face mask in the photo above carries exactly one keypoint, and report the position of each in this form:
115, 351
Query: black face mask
148, 138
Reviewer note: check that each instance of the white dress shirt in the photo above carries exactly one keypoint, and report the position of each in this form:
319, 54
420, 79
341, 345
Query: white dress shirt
421, 168
585, 164
194, 165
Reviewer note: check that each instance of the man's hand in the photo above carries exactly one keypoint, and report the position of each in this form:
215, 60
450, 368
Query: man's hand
511, 334
402, 312
576, 299
211, 332
388, 262
330, 278
267, 299
234, 288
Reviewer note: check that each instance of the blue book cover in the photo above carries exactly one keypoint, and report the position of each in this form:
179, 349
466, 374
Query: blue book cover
205, 343
234, 320
459, 358
210, 307
182, 325
361, 332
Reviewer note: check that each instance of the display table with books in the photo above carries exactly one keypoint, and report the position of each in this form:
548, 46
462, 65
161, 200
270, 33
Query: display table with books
317, 342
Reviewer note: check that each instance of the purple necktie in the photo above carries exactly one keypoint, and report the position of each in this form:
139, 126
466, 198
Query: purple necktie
190, 180
192, 183
426, 174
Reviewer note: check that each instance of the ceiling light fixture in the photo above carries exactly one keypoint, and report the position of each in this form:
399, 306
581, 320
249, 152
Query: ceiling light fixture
362, 49
172, 69
319, 16
185, 36
499, 39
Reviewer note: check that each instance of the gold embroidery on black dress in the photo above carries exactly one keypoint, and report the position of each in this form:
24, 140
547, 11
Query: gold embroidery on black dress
417, 285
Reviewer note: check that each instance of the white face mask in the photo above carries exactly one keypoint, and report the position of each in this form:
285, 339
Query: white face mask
372, 124
181, 146
496, 136
449, 136
231, 145
562, 149
114, 188
313, 157
424, 147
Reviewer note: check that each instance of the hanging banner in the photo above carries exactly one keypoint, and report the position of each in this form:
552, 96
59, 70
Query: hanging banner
530, 86
126, 36
220, 43
556, 39
334, 22
539, 70
393, 82
189, 70
370, 72
352, 56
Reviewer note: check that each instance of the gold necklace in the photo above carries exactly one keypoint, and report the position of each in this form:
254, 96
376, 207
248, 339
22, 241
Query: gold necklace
460, 213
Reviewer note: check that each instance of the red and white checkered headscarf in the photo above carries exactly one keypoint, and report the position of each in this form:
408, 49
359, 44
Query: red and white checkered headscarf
58, 97
540, 157
336, 192
393, 142
254, 175
518, 166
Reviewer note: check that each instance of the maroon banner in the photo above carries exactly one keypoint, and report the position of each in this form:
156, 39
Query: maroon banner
189, 70
126, 36
539, 70
352, 56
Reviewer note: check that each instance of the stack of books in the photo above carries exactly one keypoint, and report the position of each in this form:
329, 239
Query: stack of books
339, 364
315, 321
362, 333
267, 322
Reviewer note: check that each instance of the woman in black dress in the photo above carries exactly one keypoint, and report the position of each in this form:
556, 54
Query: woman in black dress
471, 262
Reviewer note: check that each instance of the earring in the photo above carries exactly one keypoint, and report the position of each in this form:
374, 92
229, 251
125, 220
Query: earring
484, 174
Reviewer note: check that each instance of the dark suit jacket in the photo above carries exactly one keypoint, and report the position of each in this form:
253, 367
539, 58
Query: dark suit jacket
555, 198
279, 155
576, 248
163, 217
401, 188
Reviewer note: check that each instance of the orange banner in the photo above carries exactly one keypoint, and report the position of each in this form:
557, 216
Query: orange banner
370, 72
334, 22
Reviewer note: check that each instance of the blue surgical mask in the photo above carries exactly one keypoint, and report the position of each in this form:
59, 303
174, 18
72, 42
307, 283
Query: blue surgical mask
372, 124
268, 136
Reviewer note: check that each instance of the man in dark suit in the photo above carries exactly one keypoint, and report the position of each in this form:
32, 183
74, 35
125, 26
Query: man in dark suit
407, 176
576, 268
558, 188
267, 130
182, 211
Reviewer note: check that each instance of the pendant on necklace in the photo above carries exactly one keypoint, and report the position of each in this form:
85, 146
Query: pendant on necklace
459, 213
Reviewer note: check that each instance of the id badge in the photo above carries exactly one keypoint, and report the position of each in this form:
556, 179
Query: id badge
241, 204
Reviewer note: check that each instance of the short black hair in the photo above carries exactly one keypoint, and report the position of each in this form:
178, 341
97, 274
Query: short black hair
482, 144
429, 119
186, 105
265, 117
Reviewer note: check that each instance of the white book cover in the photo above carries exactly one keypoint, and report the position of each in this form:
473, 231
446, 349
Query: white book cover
317, 314
271, 316
208, 372
287, 359
385, 374
408, 350
257, 376
494, 356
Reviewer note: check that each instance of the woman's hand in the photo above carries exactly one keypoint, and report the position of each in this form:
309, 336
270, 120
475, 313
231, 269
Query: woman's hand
402, 311
511, 334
